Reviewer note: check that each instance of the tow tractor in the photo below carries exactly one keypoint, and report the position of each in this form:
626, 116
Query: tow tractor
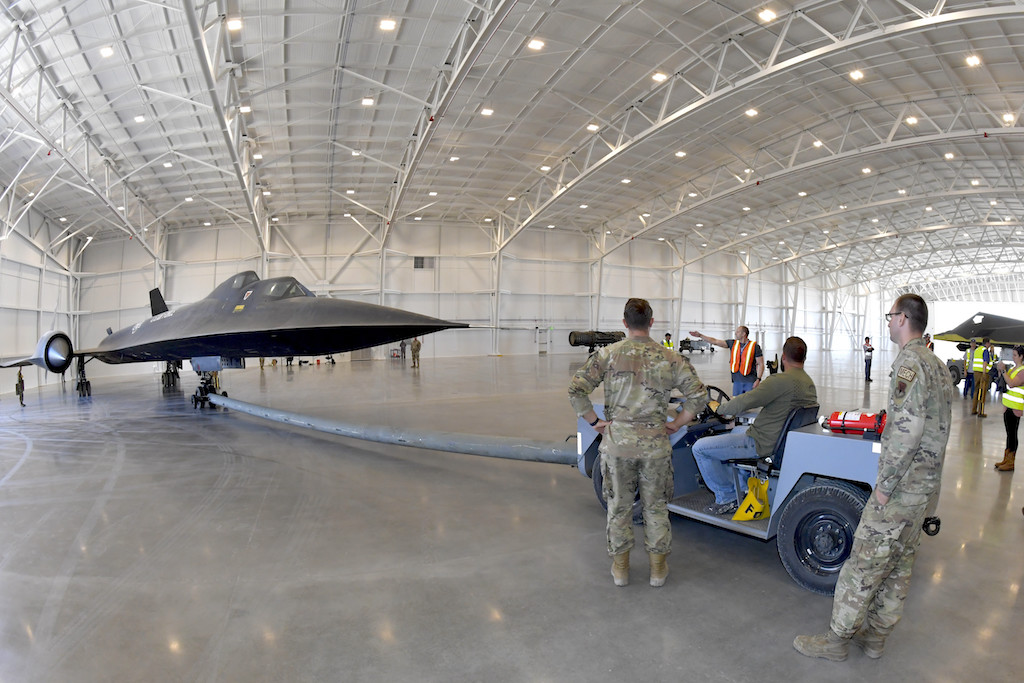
818, 483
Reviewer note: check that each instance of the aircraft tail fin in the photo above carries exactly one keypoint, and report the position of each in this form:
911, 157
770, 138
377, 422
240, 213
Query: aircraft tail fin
156, 302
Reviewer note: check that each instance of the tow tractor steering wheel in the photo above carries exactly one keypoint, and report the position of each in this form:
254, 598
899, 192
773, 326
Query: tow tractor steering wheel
714, 394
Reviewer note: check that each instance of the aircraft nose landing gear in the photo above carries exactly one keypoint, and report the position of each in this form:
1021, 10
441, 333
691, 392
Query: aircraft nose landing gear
209, 383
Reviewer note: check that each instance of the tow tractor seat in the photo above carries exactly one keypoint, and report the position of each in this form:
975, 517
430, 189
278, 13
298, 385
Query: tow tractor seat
770, 465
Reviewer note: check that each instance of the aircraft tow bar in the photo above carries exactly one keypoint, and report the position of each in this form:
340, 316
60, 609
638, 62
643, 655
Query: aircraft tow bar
509, 448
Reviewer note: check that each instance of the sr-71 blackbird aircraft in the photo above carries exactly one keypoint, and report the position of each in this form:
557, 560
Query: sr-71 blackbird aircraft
244, 317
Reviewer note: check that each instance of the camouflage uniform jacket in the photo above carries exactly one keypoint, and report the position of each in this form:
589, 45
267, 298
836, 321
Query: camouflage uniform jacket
639, 375
917, 426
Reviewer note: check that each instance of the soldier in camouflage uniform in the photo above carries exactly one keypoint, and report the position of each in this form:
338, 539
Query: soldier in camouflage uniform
638, 375
874, 581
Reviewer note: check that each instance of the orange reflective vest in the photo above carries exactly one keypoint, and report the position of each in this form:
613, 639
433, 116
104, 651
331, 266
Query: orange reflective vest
741, 359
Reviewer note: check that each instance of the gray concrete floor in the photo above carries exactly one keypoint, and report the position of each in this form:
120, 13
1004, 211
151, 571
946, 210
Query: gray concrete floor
141, 540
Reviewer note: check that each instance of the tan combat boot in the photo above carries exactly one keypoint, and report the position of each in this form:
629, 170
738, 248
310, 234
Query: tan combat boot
872, 642
826, 646
659, 569
620, 569
1007, 465
1006, 452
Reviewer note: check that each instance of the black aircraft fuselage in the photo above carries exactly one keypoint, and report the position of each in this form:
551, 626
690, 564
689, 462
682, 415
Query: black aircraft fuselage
245, 317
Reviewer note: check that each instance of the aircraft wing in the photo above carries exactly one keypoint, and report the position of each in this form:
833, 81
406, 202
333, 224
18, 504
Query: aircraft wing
1001, 330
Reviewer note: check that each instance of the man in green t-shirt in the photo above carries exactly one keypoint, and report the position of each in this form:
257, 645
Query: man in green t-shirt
777, 395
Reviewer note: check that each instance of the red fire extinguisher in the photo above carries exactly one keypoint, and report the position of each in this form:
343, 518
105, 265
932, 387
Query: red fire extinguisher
854, 422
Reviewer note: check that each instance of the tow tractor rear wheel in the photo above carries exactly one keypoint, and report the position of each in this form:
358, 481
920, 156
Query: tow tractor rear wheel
816, 533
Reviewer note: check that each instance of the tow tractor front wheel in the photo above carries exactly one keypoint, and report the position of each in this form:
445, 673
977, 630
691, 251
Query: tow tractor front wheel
816, 533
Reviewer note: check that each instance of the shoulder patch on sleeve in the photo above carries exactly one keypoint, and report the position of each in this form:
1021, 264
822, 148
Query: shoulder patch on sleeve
906, 373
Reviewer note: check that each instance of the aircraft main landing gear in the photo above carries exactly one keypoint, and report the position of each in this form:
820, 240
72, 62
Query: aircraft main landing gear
82, 385
170, 376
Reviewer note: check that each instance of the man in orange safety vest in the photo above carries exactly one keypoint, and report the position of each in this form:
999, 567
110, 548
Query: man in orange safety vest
746, 359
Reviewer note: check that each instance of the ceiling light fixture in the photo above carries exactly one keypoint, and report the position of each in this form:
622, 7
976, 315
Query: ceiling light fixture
511, 198
1007, 118
948, 156
140, 119
746, 208
550, 226
418, 218
583, 206
275, 219
545, 168
257, 156
106, 51
691, 194
350, 191
266, 193
593, 127
700, 225
975, 182
660, 77
626, 181
818, 143
751, 112
911, 120
367, 101
766, 15
206, 223
188, 199
62, 219
388, 24
234, 24
974, 60
901, 191
856, 74
486, 111
865, 170
801, 194
680, 154
356, 153
661, 239
453, 158
168, 164
245, 109
535, 44
432, 194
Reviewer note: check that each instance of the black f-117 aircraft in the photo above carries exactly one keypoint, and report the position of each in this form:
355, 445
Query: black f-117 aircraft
244, 317
1002, 331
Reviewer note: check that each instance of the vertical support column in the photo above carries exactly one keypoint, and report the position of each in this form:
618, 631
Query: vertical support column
677, 322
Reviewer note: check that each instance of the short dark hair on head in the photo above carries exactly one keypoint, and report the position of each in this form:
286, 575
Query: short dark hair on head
638, 314
746, 330
986, 340
1019, 348
867, 338
916, 310
795, 349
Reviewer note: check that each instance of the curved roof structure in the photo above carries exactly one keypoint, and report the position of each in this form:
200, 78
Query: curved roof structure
874, 144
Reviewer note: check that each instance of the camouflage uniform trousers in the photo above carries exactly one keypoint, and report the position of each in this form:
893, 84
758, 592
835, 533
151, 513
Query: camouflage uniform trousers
622, 478
874, 581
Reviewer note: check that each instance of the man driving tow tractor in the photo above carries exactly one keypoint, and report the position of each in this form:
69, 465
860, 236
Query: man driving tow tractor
777, 395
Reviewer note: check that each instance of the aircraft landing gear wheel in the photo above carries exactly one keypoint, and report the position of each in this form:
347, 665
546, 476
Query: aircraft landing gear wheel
954, 374
638, 507
816, 533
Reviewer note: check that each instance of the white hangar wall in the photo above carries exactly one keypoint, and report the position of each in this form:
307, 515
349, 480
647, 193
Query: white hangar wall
36, 286
544, 285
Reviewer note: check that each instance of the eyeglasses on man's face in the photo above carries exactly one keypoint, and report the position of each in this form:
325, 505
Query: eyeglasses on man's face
888, 316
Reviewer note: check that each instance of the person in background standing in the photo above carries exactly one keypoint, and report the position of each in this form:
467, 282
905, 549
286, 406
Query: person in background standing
969, 369
1013, 401
744, 355
928, 343
416, 346
667, 342
401, 348
868, 350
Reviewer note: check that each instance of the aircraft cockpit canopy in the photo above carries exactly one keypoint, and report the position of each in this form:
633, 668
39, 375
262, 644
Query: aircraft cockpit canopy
280, 288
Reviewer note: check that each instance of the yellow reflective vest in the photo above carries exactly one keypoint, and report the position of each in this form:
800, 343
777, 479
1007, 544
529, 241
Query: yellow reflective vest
979, 360
1013, 397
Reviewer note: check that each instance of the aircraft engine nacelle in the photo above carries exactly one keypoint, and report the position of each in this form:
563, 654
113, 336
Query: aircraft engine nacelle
54, 352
